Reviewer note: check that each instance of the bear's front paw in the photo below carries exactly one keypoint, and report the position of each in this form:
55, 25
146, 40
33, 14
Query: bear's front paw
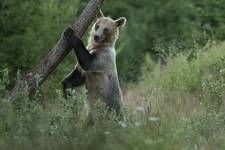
71, 38
68, 33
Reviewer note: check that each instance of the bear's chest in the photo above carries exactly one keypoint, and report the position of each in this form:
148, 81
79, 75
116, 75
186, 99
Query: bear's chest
96, 80
97, 85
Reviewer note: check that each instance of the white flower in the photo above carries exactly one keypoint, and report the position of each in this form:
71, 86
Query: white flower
122, 124
141, 109
106, 132
154, 119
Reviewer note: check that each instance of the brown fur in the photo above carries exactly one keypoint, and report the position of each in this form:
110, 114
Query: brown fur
111, 37
104, 85
101, 79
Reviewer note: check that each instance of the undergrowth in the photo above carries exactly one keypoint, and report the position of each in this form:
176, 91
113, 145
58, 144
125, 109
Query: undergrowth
176, 105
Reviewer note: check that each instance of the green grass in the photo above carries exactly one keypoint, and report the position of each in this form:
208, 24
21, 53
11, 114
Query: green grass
178, 105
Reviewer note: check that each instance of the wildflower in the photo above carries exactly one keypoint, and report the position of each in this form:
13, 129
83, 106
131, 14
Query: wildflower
141, 109
122, 124
154, 119
106, 132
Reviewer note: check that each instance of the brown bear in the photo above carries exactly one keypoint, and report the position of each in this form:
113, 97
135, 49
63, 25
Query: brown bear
96, 67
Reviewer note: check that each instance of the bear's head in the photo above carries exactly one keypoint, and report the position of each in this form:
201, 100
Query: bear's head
105, 31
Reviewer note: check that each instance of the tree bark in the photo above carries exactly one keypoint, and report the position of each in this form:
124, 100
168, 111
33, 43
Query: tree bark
54, 57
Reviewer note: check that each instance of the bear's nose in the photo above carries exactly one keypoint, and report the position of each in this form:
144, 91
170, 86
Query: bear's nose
96, 38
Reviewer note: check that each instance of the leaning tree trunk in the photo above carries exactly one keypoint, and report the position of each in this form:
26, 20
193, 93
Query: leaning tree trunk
39, 74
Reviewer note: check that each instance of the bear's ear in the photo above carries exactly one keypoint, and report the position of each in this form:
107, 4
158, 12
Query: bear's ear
121, 21
100, 14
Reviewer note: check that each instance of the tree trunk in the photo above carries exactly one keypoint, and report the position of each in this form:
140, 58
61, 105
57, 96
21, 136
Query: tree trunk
39, 74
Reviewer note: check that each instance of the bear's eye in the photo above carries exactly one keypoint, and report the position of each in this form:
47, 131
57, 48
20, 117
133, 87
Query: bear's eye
106, 30
96, 27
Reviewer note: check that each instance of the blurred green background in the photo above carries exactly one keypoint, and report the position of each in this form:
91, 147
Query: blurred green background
28, 29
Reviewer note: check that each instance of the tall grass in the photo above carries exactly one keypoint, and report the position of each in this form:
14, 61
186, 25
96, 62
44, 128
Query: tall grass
177, 105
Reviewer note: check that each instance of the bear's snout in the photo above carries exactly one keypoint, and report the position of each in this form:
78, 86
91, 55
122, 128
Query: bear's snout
97, 38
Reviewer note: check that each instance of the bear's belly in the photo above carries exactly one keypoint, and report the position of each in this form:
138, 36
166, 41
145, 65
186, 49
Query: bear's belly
97, 85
